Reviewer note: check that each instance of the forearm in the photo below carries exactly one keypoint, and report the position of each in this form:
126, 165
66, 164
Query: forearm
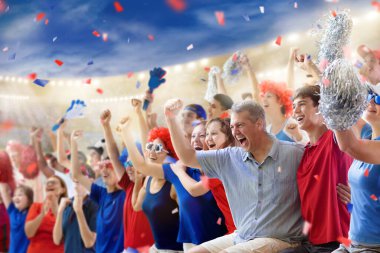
41, 162
144, 129
254, 84
220, 85
193, 187
5, 194
290, 72
86, 234
57, 231
136, 204
75, 167
113, 151
32, 226
61, 155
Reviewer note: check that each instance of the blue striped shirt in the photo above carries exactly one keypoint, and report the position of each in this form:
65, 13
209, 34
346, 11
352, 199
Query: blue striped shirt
264, 197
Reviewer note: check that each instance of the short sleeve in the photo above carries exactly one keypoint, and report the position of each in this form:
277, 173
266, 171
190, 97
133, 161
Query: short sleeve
34, 211
11, 208
97, 192
124, 181
213, 162
168, 173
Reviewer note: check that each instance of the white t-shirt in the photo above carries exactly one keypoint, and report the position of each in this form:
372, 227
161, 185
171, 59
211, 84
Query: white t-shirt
68, 181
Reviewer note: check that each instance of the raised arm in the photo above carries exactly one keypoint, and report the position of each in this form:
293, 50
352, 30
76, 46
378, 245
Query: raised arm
57, 230
61, 155
144, 129
111, 146
75, 166
193, 187
220, 84
139, 191
364, 150
41, 162
147, 168
252, 76
181, 145
88, 236
290, 68
5, 194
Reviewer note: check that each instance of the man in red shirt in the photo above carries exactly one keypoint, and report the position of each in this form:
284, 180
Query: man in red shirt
322, 168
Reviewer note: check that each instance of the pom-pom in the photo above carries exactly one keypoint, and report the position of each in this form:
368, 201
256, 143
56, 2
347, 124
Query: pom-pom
334, 37
6, 175
232, 69
343, 98
28, 166
212, 87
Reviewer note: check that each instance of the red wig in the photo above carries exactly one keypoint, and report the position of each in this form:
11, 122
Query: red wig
163, 134
283, 94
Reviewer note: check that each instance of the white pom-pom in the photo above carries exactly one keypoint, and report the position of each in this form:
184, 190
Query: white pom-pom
232, 70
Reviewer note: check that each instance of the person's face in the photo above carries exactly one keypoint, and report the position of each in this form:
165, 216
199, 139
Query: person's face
215, 109
372, 113
157, 154
215, 138
371, 69
108, 175
271, 103
20, 199
130, 170
188, 117
52, 162
94, 158
245, 131
198, 137
306, 114
54, 187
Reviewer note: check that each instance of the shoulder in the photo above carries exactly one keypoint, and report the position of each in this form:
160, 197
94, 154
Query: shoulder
291, 147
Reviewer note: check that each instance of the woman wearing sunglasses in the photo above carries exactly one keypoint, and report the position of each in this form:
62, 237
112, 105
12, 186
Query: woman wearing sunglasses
199, 217
364, 178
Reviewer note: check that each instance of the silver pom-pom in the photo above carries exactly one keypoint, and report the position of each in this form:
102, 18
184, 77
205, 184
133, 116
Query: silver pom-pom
343, 97
232, 70
212, 87
334, 36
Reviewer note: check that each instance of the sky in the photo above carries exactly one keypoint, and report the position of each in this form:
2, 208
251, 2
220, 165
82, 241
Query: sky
30, 46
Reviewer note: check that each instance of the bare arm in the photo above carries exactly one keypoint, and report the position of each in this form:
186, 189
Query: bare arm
57, 230
220, 84
5, 194
75, 168
41, 162
181, 145
252, 76
290, 68
144, 129
139, 192
32, 226
61, 155
86, 234
363, 150
193, 187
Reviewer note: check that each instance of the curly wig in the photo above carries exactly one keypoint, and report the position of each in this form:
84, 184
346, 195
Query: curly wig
163, 134
283, 94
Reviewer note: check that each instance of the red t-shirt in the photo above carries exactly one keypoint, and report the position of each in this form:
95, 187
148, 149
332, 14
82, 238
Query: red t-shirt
322, 167
42, 241
137, 232
217, 189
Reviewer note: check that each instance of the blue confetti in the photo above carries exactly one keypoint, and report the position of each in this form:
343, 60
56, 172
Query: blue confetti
358, 64
41, 82
12, 57
234, 72
90, 62
246, 18
138, 84
349, 207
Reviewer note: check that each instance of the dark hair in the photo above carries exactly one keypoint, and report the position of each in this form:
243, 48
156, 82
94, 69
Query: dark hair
224, 128
312, 91
28, 193
63, 185
225, 101
246, 95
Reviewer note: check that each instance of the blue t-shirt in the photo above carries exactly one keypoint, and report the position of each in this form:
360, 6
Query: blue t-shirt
199, 217
283, 136
70, 227
365, 222
366, 132
18, 241
109, 222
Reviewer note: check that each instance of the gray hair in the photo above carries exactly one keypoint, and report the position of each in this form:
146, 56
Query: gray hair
255, 110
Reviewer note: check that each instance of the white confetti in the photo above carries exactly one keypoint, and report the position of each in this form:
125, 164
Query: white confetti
262, 10
246, 18
55, 38
175, 210
5, 49
295, 5
189, 47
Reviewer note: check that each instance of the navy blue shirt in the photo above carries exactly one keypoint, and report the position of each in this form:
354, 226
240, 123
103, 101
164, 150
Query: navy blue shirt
70, 227
158, 208
199, 217
109, 222
18, 242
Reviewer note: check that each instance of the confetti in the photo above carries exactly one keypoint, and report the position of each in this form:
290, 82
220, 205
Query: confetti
295, 5
46, 21
118, 6
3, 6
138, 84
207, 69
219, 221
373, 196
323, 64
41, 82
130, 74
345, 241
55, 38
100, 91
189, 47
358, 64
5, 49
175, 210
96, 33
88, 81
150, 37
220, 17
204, 181
246, 18
366, 172
306, 228
40, 16
325, 81
58, 62
234, 72
177, 5
90, 62
234, 57
316, 177
12, 56
333, 13
32, 76
105, 37
349, 207
262, 10
278, 40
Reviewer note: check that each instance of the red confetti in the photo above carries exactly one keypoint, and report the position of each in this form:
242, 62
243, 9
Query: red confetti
333, 13
366, 172
234, 58
150, 37
345, 241
118, 6
130, 74
32, 76
220, 17
323, 64
96, 33
40, 16
100, 91
204, 181
373, 196
325, 81
225, 115
58, 62
177, 5
278, 41
207, 69
88, 81
219, 221
6, 125
316, 177
46, 21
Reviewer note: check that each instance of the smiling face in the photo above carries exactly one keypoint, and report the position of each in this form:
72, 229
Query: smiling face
108, 175
215, 109
215, 138
271, 103
198, 137
372, 113
371, 69
54, 187
94, 157
20, 199
154, 154
306, 113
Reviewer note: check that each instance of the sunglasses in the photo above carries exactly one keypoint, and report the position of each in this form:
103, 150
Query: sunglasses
128, 164
374, 96
157, 148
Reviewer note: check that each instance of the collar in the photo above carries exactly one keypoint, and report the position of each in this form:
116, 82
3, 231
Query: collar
273, 152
